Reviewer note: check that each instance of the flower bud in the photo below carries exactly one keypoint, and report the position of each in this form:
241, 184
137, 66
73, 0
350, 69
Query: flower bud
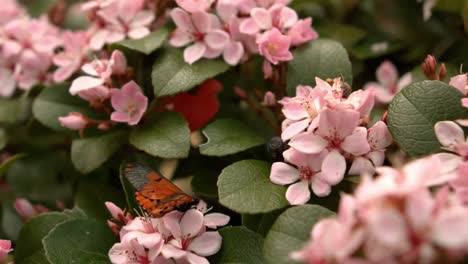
74, 121
269, 99
430, 68
5, 248
267, 70
119, 63
24, 208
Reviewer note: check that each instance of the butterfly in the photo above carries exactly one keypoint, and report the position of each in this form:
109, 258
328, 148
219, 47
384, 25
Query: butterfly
156, 194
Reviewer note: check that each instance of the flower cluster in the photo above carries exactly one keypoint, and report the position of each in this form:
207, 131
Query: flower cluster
180, 237
325, 130
237, 28
389, 83
34, 51
116, 20
129, 103
5, 248
393, 219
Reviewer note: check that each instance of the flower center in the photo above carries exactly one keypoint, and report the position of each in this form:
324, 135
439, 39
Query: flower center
306, 173
272, 48
132, 108
199, 36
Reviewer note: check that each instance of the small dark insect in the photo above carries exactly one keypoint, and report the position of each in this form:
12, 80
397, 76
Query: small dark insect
276, 147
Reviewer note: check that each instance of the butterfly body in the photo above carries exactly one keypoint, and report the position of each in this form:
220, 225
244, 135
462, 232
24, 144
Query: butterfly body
156, 194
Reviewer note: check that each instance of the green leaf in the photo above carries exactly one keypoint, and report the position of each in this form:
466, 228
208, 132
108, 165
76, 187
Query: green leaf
55, 101
171, 74
91, 196
37, 8
290, 231
260, 223
10, 160
42, 177
346, 34
15, 110
29, 245
148, 44
166, 137
240, 245
11, 221
3, 138
229, 136
245, 187
415, 110
322, 58
79, 241
88, 154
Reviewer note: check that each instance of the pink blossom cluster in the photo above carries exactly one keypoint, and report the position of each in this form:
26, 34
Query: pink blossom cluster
389, 83
326, 131
176, 237
394, 218
26, 49
98, 88
236, 29
116, 20
5, 248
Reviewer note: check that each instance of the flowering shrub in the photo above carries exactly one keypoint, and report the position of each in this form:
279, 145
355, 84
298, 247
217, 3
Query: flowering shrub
233, 131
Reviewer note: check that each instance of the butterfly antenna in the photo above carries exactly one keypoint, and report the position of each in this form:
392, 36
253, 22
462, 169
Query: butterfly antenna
138, 212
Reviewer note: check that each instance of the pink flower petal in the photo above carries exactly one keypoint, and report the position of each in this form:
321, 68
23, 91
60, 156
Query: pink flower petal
202, 22
340, 124
262, 18
449, 229
195, 259
449, 133
249, 27
194, 53
120, 117
389, 228
298, 193
320, 187
294, 129
138, 33
333, 168
83, 83
216, 39
460, 82
169, 251
308, 143
142, 19
379, 136
180, 38
295, 111
214, 220
288, 17
191, 223
361, 166
182, 20
282, 173
387, 74
171, 222
233, 53
356, 143
206, 244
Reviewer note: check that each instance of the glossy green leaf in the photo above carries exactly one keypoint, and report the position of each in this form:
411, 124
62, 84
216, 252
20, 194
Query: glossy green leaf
166, 137
204, 184
79, 241
245, 187
88, 154
240, 245
416, 109
322, 58
172, 75
3, 139
15, 110
91, 196
229, 136
148, 44
260, 223
290, 231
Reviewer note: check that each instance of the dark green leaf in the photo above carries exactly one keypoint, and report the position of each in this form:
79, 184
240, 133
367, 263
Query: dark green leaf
6, 163
204, 184
37, 8
91, 196
240, 245
14, 110
415, 110
54, 102
290, 231
260, 223
322, 58
171, 74
29, 245
3, 139
147, 44
79, 241
11, 221
229, 136
245, 187
346, 34
166, 137
88, 154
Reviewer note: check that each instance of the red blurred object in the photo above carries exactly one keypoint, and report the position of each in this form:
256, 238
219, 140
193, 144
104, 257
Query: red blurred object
200, 107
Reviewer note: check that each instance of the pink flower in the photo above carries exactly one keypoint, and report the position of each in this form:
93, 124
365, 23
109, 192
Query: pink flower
302, 32
9, 11
94, 87
70, 60
118, 214
26, 210
5, 248
74, 121
96, 4
389, 85
278, 16
460, 82
245, 6
201, 28
122, 19
193, 6
190, 241
269, 99
8, 82
275, 46
320, 171
129, 103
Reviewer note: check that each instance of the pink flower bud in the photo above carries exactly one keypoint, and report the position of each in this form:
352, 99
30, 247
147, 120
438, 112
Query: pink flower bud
74, 121
430, 68
117, 213
113, 227
24, 208
269, 99
267, 70
119, 63
240, 92
104, 126
5, 248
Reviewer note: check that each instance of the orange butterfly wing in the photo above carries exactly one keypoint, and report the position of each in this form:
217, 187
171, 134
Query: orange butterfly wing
156, 194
